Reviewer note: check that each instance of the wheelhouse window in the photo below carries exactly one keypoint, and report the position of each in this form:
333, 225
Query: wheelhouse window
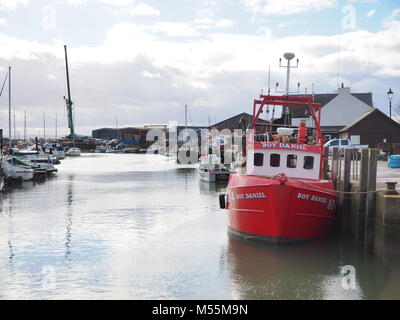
308, 163
275, 160
291, 161
258, 159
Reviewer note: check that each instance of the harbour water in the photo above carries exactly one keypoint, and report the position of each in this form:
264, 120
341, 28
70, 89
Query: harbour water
115, 226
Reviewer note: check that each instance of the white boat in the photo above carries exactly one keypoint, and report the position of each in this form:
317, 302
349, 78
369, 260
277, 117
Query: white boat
131, 150
73, 152
43, 162
14, 171
54, 150
59, 153
211, 169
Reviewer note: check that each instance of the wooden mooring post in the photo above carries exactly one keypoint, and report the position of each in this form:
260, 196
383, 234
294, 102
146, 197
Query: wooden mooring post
370, 201
344, 185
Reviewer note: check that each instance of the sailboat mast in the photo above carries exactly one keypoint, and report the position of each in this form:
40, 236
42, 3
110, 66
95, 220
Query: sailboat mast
24, 126
9, 105
186, 117
116, 123
15, 135
44, 126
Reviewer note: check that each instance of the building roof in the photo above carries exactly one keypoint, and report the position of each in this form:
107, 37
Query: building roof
325, 98
366, 115
243, 114
104, 129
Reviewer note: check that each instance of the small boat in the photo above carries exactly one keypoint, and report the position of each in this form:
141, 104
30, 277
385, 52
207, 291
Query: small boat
101, 150
43, 162
211, 169
56, 151
131, 150
73, 152
14, 171
284, 194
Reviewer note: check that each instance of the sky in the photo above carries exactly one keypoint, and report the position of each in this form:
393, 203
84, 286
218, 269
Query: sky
135, 62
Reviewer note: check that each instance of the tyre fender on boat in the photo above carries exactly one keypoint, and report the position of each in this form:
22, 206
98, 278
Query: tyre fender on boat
222, 203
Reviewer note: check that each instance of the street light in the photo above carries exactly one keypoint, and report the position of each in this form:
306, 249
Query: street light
390, 94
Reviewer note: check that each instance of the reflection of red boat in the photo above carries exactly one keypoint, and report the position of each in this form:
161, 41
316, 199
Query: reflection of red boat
283, 196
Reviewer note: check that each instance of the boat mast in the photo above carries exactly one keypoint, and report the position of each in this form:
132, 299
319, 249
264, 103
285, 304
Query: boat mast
186, 118
44, 126
9, 105
24, 126
116, 123
289, 57
15, 135
69, 101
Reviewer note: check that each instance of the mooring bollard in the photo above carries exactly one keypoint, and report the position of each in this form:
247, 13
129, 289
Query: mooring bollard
387, 224
391, 188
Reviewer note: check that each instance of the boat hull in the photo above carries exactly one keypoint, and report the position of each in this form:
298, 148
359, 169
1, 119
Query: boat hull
74, 152
214, 176
276, 211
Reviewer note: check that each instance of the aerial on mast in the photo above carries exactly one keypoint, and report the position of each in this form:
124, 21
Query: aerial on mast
289, 57
68, 100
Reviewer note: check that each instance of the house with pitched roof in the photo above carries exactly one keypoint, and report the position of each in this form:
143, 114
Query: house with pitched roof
374, 128
338, 110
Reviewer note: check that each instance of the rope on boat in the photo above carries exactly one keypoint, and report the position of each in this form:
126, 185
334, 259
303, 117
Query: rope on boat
284, 177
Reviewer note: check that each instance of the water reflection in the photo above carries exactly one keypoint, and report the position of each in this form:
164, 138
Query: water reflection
302, 271
212, 188
69, 202
307, 271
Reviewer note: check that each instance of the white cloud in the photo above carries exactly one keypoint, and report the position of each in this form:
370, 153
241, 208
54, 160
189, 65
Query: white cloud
392, 19
8, 5
140, 9
175, 29
209, 24
117, 3
288, 7
3, 21
149, 75
221, 71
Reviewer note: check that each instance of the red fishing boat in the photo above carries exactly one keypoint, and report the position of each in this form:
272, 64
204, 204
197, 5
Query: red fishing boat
284, 194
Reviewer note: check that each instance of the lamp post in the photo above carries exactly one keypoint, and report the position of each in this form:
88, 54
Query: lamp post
390, 94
